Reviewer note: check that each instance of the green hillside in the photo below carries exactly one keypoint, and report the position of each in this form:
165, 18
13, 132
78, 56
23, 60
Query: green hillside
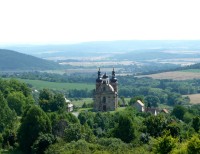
15, 61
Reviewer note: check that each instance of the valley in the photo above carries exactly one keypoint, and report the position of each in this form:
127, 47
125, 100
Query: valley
72, 105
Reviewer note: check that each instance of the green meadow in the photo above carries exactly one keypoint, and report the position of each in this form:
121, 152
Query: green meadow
38, 84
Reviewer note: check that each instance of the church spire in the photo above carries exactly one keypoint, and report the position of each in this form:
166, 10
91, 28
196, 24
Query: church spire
113, 72
99, 79
99, 73
113, 79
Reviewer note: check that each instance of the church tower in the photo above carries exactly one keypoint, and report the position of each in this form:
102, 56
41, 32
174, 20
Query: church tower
106, 92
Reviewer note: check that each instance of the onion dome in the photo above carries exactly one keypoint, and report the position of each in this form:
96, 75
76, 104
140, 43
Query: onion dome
99, 79
105, 76
113, 79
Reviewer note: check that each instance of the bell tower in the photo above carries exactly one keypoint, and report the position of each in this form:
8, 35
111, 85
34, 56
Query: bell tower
99, 79
113, 81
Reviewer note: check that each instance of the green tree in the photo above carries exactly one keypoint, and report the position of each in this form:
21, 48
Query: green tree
34, 122
152, 100
16, 101
164, 145
45, 97
87, 133
193, 146
60, 122
58, 103
86, 117
8, 117
125, 129
42, 143
73, 132
179, 111
155, 125
196, 123
173, 129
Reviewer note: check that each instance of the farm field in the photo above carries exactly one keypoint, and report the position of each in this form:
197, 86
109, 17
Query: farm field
38, 84
194, 98
176, 75
82, 70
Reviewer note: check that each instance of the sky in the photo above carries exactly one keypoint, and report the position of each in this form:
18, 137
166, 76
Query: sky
73, 21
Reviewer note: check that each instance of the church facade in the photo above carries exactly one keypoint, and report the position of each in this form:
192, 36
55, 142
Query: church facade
106, 92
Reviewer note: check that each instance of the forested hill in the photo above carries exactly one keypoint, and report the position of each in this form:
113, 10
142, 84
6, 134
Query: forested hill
12, 60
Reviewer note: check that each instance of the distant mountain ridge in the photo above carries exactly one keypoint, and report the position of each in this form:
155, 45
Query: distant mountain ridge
86, 49
12, 60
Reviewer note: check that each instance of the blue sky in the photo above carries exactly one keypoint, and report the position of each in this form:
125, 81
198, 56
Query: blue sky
71, 21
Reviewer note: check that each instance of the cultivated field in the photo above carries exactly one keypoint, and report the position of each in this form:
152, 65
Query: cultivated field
38, 84
176, 75
194, 98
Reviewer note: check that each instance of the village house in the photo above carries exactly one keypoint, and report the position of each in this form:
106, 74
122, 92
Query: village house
70, 106
139, 106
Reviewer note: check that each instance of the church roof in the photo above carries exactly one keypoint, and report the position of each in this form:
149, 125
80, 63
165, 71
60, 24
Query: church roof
111, 87
105, 76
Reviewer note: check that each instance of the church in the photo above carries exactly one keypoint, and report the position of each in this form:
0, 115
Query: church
106, 92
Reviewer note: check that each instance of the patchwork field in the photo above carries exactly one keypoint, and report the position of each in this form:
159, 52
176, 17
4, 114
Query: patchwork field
194, 98
176, 75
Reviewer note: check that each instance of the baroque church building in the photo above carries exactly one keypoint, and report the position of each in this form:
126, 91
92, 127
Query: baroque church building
106, 92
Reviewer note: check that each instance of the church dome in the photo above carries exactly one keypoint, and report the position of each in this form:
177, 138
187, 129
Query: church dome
105, 76
99, 80
113, 79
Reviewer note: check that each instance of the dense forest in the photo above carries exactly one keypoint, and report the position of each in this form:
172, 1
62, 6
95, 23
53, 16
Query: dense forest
12, 60
44, 126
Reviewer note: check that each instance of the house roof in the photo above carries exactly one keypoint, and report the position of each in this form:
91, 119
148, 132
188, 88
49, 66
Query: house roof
140, 102
165, 111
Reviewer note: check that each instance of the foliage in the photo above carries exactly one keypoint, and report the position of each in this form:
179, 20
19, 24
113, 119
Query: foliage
179, 112
125, 129
72, 132
196, 123
103, 146
42, 143
16, 101
152, 100
164, 145
8, 117
8, 138
51, 102
34, 122
193, 146
155, 125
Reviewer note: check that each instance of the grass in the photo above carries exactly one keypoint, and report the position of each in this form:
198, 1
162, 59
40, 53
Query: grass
194, 98
80, 102
176, 75
38, 84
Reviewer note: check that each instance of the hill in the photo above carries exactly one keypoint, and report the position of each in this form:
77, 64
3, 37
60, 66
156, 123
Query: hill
15, 61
